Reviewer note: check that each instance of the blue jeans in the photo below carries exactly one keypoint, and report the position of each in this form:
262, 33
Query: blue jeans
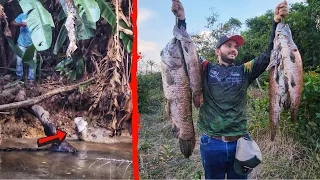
20, 65
218, 158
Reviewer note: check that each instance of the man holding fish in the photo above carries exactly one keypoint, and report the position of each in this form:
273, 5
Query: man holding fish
222, 119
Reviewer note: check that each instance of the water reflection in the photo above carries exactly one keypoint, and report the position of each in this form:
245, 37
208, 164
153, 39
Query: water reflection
93, 161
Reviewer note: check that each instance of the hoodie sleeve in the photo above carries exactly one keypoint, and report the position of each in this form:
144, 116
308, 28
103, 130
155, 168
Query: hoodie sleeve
182, 23
258, 65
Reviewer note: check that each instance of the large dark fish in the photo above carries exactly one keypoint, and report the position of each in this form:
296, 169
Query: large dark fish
285, 77
181, 78
50, 129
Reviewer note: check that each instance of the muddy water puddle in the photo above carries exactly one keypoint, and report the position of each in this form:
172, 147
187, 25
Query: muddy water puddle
93, 161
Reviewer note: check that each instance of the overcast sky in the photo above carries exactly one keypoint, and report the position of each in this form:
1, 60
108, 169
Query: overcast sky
156, 21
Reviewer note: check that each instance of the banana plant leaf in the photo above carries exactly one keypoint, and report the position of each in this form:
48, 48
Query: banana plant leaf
79, 67
63, 4
39, 21
15, 48
126, 39
90, 8
62, 15
62, 36
28, 57
83, 31
107, 12
63, 64
88, 23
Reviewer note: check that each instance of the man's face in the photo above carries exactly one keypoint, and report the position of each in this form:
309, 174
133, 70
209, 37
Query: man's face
228, 51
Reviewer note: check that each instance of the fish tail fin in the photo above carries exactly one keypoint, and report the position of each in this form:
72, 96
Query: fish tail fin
187, 146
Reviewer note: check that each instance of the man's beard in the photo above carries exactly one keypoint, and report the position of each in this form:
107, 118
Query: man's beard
224, 58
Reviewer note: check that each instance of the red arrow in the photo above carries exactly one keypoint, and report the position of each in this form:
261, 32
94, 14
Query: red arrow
57, 138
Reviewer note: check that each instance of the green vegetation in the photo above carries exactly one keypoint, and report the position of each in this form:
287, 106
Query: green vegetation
294, 154
47, 21
303, 19
309, 116
150, 92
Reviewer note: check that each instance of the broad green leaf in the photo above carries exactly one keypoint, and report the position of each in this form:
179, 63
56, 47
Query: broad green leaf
61, 15
62, 36
83, 31
39, 21
63, 64
107, 12
63, 4
90, 8
15, 48
72, 75
129, 46
127, 41
124, 25
79, 67
82, 25
87, 23
28, 57
26, 5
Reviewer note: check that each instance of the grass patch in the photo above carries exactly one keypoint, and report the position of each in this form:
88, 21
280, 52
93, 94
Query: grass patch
287, 157
159, 153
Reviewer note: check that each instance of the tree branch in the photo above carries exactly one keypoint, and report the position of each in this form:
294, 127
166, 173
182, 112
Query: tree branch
38, 99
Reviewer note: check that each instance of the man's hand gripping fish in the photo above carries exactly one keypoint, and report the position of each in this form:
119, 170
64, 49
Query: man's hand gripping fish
181, 78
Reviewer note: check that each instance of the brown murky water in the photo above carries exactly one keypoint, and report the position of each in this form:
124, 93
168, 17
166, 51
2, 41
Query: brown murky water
93, 161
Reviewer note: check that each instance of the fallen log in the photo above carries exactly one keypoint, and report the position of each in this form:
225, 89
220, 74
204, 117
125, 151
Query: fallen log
50, 129
38, 99
48, 126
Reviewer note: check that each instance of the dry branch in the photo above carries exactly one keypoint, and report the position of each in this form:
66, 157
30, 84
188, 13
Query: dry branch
38, 99
126, 31
113, 93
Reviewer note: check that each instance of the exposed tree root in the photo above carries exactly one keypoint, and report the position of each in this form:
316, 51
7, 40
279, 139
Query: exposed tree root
38, 99
48, 126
